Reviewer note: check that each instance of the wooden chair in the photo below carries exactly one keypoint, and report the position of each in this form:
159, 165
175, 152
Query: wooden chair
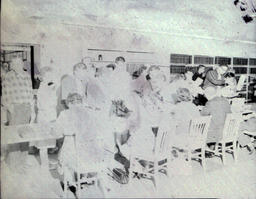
154, 161
196, 145
87, 171
237, 104
228, 143
252, 134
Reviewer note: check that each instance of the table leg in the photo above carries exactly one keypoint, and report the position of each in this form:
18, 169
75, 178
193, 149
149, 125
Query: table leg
44, 159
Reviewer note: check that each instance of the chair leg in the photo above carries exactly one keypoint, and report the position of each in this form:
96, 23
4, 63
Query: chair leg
223, 153
65, 185
235, 150
156, 174
131, 171
203, 158
78, 191
168, 167
101, 183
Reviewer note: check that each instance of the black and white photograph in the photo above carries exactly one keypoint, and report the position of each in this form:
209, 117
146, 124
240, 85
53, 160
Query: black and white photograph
128, 99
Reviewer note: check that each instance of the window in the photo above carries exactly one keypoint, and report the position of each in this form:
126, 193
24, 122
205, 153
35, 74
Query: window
240, 70
181, 59
240, 61
223, 60
199, 59
177, 69
253, 70
252, 61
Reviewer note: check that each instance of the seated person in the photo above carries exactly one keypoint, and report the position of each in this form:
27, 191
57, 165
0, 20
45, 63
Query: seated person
217, 107
182, 113
198, 93
200, 73
215, 77
74, 83
230, 85
79, 126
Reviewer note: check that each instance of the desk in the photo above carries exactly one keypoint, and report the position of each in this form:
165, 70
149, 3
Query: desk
42, 134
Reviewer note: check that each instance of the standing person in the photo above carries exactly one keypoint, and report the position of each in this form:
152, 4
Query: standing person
74, 83
91, 69
18, 101
215, 77
117, 86
139, 82
17, 97
47, 97
47, 100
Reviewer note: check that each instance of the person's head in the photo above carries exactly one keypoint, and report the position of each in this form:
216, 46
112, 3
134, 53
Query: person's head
230, 79
79, 70
177, 77
139, 72
188, 75
91, 69
230, 74
201, 69
183, 95
87, 61
74, 99
210, 92
153, 70
120, 62
17, 65
110, 67
47, 77
157, 81
222, 69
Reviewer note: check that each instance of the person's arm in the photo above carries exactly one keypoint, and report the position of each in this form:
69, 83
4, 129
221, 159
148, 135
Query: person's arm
195, 76
33, 111
212, 77
206, 110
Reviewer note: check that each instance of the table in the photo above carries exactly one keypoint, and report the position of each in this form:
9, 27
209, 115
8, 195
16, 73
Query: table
42, 134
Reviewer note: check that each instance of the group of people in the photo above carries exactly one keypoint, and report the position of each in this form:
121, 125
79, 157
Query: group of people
124, 110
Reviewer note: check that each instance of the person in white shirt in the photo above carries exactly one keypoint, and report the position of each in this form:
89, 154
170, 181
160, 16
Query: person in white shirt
47, 97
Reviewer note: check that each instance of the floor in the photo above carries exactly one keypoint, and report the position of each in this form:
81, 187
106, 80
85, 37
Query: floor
234, 180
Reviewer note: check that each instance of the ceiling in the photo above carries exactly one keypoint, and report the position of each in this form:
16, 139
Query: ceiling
216, 18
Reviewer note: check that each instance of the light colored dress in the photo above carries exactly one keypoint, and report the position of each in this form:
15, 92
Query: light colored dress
82, 128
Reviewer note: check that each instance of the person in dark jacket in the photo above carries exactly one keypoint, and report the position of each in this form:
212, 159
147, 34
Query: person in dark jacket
215, 77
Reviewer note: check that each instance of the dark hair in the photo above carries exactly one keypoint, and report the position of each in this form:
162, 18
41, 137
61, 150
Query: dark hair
72, 97
201, 66
229, 74
111, 66
80, 66
236, 2
118, 59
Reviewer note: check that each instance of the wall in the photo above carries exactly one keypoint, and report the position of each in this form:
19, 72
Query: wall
63, 45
